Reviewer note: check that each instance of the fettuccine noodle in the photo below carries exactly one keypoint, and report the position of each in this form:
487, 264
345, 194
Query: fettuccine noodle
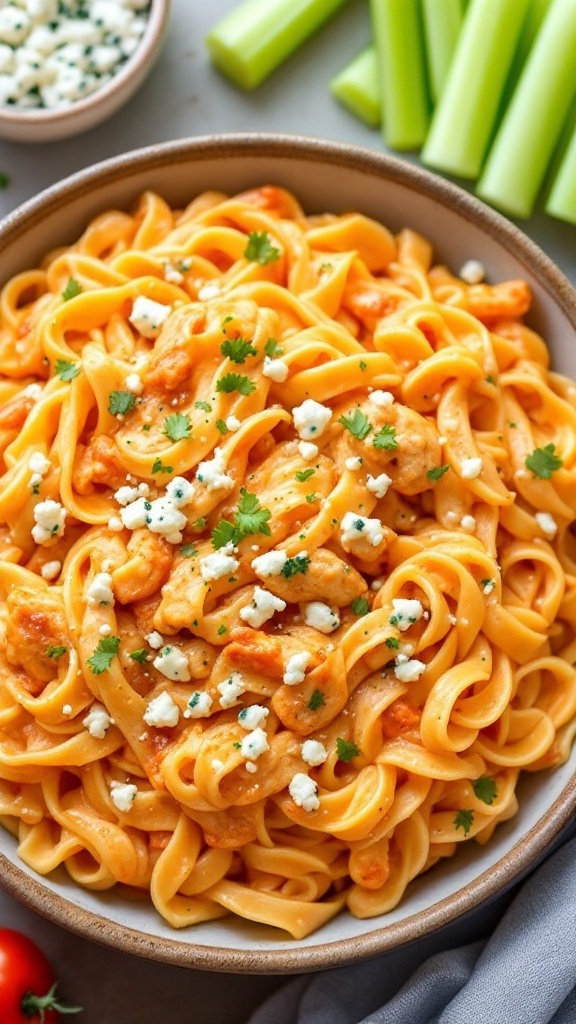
287, 576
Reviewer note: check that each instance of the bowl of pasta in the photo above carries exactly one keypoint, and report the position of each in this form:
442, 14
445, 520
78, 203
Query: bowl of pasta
287, 571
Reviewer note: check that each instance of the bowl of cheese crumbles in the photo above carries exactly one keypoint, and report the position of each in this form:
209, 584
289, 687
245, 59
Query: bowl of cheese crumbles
67, 65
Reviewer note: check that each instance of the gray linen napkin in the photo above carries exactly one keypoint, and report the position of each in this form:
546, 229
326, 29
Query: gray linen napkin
523, 973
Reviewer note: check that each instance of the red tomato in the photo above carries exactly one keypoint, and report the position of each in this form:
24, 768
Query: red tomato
27, 986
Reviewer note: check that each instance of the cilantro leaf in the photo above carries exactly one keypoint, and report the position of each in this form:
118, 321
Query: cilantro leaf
346, 750
386, 438
484, 788
66, 370
360, 606
140, 655
317, 700
437, 472
159, 467
260, 249
121, 402
71, 290
304, 474
392, 642
225, 533
56, 651
205, 406
543, 462
250, 518
357, 424
221, 426
238, 349
272, 348
188, 550
177, 426
235, 382
311, 498
463, 819
103, 654
295, 565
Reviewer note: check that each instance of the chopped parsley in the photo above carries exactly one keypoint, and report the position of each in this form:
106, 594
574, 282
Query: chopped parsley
249, 518
121, 402
205, 406
363, 365
235, 382
357, 424
317, 700
71, 290
159, 467
346, 750
295, 565
102, 658
392, 642
221, 630
260, 249
140, 655
485, 788
543, 462
437, 472
386, 438
238, 349
463, 819
360, 606
272, 348
188, 550
221, 426
66, 371
177, 426
304, 474
311, 498
56, 652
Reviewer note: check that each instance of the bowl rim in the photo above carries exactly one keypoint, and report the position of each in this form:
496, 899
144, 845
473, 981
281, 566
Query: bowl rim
537, 842
156, 23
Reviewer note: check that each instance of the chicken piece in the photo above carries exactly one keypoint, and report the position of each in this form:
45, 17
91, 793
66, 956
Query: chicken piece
145, 572
230, 829
416, 451
327, 578
100, 463
401, 719
255, 651
36, 622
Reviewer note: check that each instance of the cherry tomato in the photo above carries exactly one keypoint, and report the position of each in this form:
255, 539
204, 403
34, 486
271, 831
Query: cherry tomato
27, 986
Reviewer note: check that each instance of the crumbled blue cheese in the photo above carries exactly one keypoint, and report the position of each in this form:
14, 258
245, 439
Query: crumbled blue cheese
313, 752
199, 705
307, 450
468, 523
100, 590
38, 465
50, 570
230, 689
472, 272
155, 640
50, 519
172, 663
148, 316
180, 491
126, 495
232, 423
261, 608
382, 399
254, 744
98, 721
355, 528
354, 463
470, 468
311, 419
270, 564
304, 792
408, 670
405, 612
275, 369
252, 716
212, 473
488, 586
162, 712
547, 523
160, 516
123, 795
296, 666
378, 485
321, 616
172, 273
221, 563
133, 383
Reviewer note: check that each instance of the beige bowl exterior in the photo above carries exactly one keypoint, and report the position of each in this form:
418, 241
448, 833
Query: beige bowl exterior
324, 176
50, 125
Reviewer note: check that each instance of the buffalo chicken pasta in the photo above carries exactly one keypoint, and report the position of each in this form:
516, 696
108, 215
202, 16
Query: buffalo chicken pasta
287, 576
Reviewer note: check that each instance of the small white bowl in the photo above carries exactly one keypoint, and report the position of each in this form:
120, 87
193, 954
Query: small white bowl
42, 125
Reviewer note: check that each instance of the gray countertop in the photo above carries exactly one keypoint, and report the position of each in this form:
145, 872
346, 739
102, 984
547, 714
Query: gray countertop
182, 97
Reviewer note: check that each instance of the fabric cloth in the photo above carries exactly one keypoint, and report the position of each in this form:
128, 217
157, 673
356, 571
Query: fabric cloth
524, 972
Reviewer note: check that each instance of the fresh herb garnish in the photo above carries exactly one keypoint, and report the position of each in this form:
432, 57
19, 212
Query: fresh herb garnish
304, 474
249, 518
188, 550
317, 700
272, 348
392, 642
360, 606
71, 290
260, 249
463, 819
235, 382
177, 426
121, 402
221, 426
295, 565
56, 651
543, 462
105, 651
205, 406
484, 788
346, 750
159, 467
238, 349
66, 371
140, 655
386, 438
437, 472
357, 424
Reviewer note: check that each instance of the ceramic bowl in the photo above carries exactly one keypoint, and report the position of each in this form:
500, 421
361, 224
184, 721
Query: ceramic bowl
324, 176
43, 125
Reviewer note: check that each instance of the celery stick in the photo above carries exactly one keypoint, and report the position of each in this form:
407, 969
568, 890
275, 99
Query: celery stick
442, 24
358, 88
532, 124
561, 201
250, 42
532, 22
464, 118
401, 70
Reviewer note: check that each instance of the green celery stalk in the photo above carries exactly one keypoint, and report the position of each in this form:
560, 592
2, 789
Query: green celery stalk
250, 42
358, 88
561, 200
532, 22
532, 124
401, 69
442, 24
464, 118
